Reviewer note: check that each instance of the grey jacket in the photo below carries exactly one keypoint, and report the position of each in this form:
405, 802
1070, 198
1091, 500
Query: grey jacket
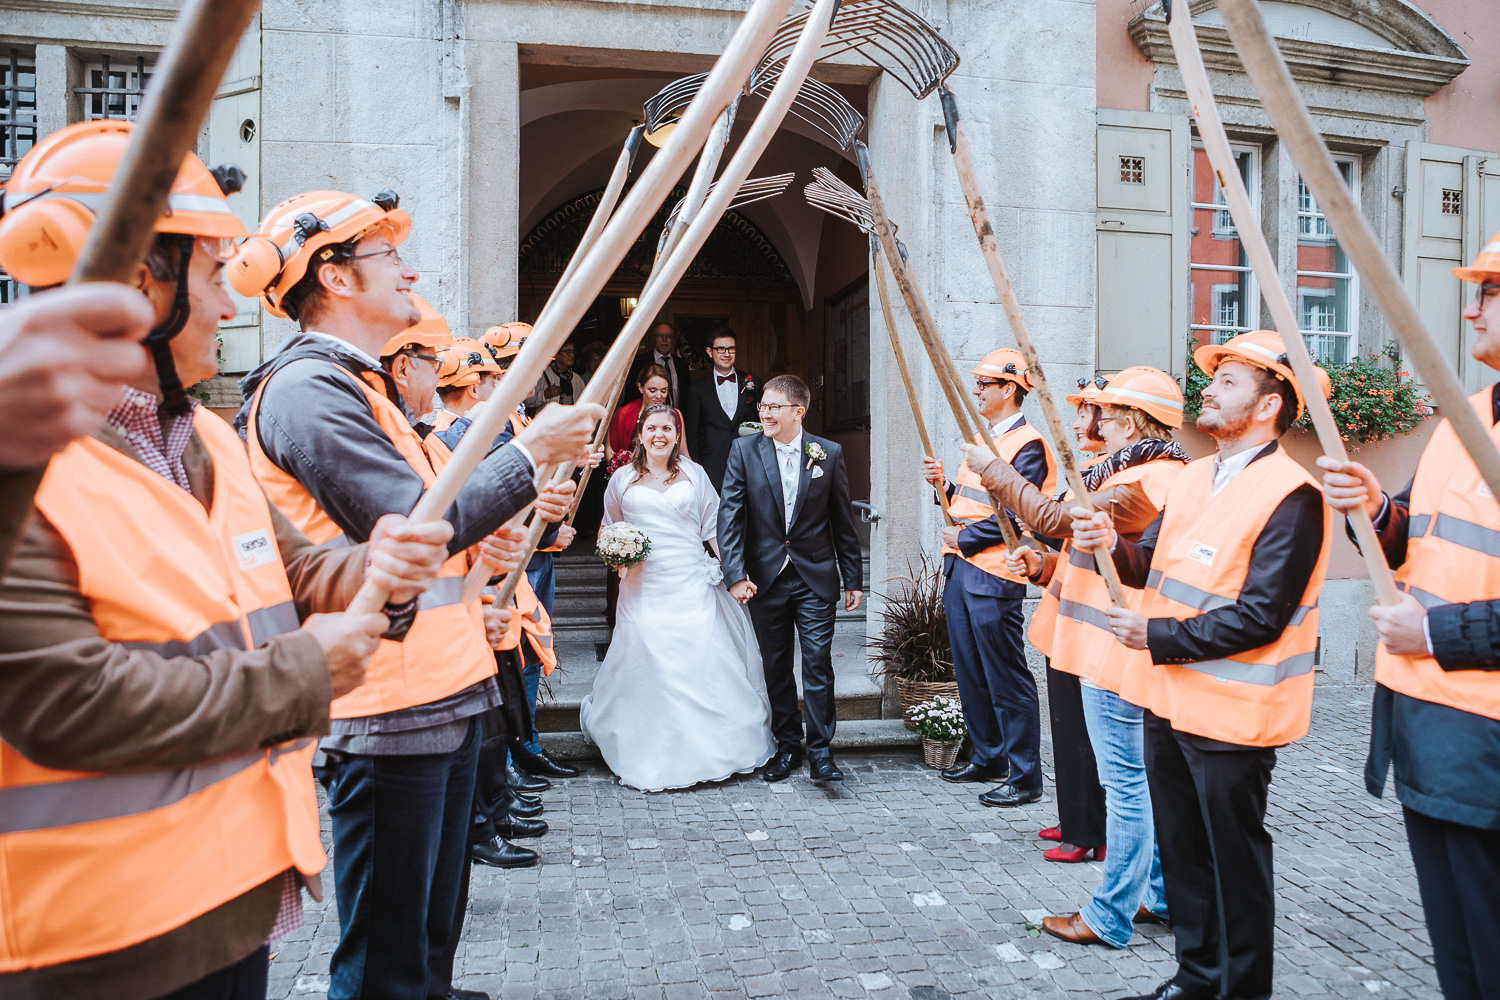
315, 424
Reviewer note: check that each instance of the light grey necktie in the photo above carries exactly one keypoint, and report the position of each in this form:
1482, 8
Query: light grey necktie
786, 455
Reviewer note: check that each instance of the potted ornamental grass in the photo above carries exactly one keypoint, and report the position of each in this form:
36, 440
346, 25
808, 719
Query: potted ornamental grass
911, 648
940, 723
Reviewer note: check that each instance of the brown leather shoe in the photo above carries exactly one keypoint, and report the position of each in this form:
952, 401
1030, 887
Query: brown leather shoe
1145, 916
1070, 928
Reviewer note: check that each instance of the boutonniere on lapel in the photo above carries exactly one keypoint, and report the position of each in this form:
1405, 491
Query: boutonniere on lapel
814, 453
748, 385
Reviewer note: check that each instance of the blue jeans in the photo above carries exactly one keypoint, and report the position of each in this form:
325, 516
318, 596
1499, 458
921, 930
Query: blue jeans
400, 846
1132, 866
532, 675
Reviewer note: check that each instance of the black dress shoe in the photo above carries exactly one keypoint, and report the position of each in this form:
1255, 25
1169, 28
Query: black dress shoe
824, 769
1009, 795
499, 854
540, 763
528, 784
454, 993
782, 765
522, 806
519, 828
970, 771
1169, 990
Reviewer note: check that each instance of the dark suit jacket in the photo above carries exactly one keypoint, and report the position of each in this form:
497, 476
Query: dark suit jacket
710, 431
648, 357
753, 538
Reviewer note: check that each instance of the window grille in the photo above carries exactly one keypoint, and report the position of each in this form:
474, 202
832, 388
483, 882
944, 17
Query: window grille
114, 91
1132, 170
17, 109
1453, 202
1224, 295
1327, 288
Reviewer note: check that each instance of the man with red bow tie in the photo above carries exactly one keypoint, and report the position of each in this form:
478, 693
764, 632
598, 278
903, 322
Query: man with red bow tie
717, 405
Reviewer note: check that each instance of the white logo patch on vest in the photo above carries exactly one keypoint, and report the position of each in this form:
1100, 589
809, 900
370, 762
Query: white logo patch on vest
1485, 491
254, 548
1202, 553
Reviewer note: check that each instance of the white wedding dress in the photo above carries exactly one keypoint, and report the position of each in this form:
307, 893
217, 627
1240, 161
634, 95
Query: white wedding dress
680, 697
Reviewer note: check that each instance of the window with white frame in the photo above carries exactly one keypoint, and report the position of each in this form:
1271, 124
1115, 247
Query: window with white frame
113, 86
1225, 299
1326, 283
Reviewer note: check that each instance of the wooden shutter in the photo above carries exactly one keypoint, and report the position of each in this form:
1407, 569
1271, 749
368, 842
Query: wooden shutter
232, 135
1452, 205
1142, 240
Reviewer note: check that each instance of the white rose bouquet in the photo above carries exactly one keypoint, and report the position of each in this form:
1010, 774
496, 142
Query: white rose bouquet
941, 719
622, 544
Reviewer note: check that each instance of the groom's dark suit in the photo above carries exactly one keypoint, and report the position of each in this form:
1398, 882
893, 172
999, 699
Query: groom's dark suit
822, 545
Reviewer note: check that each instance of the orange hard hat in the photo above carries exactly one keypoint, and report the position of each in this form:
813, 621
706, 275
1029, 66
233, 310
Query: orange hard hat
429, 331
1145, 388
505, 340
306, 230
1263, 349
462, 363
1006, 363
1088, 388
1486, 266
51, 197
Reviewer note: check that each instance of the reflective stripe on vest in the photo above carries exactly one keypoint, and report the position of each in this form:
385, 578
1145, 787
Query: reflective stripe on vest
1263, 696
1071, 616
162, 573
445, 650
1452, 557
970, 504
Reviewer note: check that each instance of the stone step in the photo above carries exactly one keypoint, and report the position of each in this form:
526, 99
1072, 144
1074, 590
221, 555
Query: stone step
853, 736
857, 695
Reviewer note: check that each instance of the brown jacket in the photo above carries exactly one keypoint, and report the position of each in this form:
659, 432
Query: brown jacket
72, 701
1127, 504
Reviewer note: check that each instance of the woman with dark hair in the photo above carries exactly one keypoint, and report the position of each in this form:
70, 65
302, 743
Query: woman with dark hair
680, 698
655, 386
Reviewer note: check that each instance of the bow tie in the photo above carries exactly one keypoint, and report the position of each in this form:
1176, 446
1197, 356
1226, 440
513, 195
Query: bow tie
724, 378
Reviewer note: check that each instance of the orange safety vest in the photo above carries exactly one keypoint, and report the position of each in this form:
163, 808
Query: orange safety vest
445, 650
1070, 619
1261, 697
527, 611
971, 503
1452, 557
443, 419
92, 863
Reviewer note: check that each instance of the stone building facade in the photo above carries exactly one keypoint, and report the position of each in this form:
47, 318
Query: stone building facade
497, 122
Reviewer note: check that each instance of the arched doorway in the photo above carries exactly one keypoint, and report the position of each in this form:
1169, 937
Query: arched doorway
739, 279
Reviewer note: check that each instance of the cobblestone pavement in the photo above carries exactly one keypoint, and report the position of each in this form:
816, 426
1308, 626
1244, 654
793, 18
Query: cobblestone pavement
898, 885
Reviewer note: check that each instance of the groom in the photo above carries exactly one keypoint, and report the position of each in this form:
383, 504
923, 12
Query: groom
786, 536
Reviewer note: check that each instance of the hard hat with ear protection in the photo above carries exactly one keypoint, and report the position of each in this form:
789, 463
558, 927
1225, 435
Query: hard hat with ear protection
50, 201
52, 196
464, 363
429, 331
307, 230
505, 340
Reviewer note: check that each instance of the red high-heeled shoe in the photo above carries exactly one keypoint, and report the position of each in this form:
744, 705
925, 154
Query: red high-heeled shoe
1068, 854
1052, 833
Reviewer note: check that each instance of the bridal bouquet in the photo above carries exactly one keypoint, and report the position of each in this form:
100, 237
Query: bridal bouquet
622, 544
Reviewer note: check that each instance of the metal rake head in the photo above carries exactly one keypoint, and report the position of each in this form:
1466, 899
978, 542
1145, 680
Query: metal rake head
882, 31
835, 197
753, 190
818, 104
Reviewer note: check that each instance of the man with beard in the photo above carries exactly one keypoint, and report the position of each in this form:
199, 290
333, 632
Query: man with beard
1222, 651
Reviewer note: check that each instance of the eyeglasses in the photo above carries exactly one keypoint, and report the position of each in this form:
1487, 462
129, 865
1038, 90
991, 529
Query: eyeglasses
1483, 293
723, 350
1099, 382
775, 407
378, 253
425, 357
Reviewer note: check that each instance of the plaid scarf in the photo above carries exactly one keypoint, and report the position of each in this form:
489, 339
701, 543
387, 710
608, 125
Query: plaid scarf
1148, 450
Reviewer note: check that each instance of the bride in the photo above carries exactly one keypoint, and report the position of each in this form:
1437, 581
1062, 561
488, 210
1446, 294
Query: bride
680, 698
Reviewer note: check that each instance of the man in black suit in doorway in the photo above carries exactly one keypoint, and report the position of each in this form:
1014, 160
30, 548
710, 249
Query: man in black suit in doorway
662, 349
717, 405
786, 537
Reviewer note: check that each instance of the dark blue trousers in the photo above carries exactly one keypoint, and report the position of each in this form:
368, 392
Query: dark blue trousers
244, 980
400, 848
998, 692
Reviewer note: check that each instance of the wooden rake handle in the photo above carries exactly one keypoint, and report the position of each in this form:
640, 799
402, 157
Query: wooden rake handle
196, 56
1237, 198
1062, 442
